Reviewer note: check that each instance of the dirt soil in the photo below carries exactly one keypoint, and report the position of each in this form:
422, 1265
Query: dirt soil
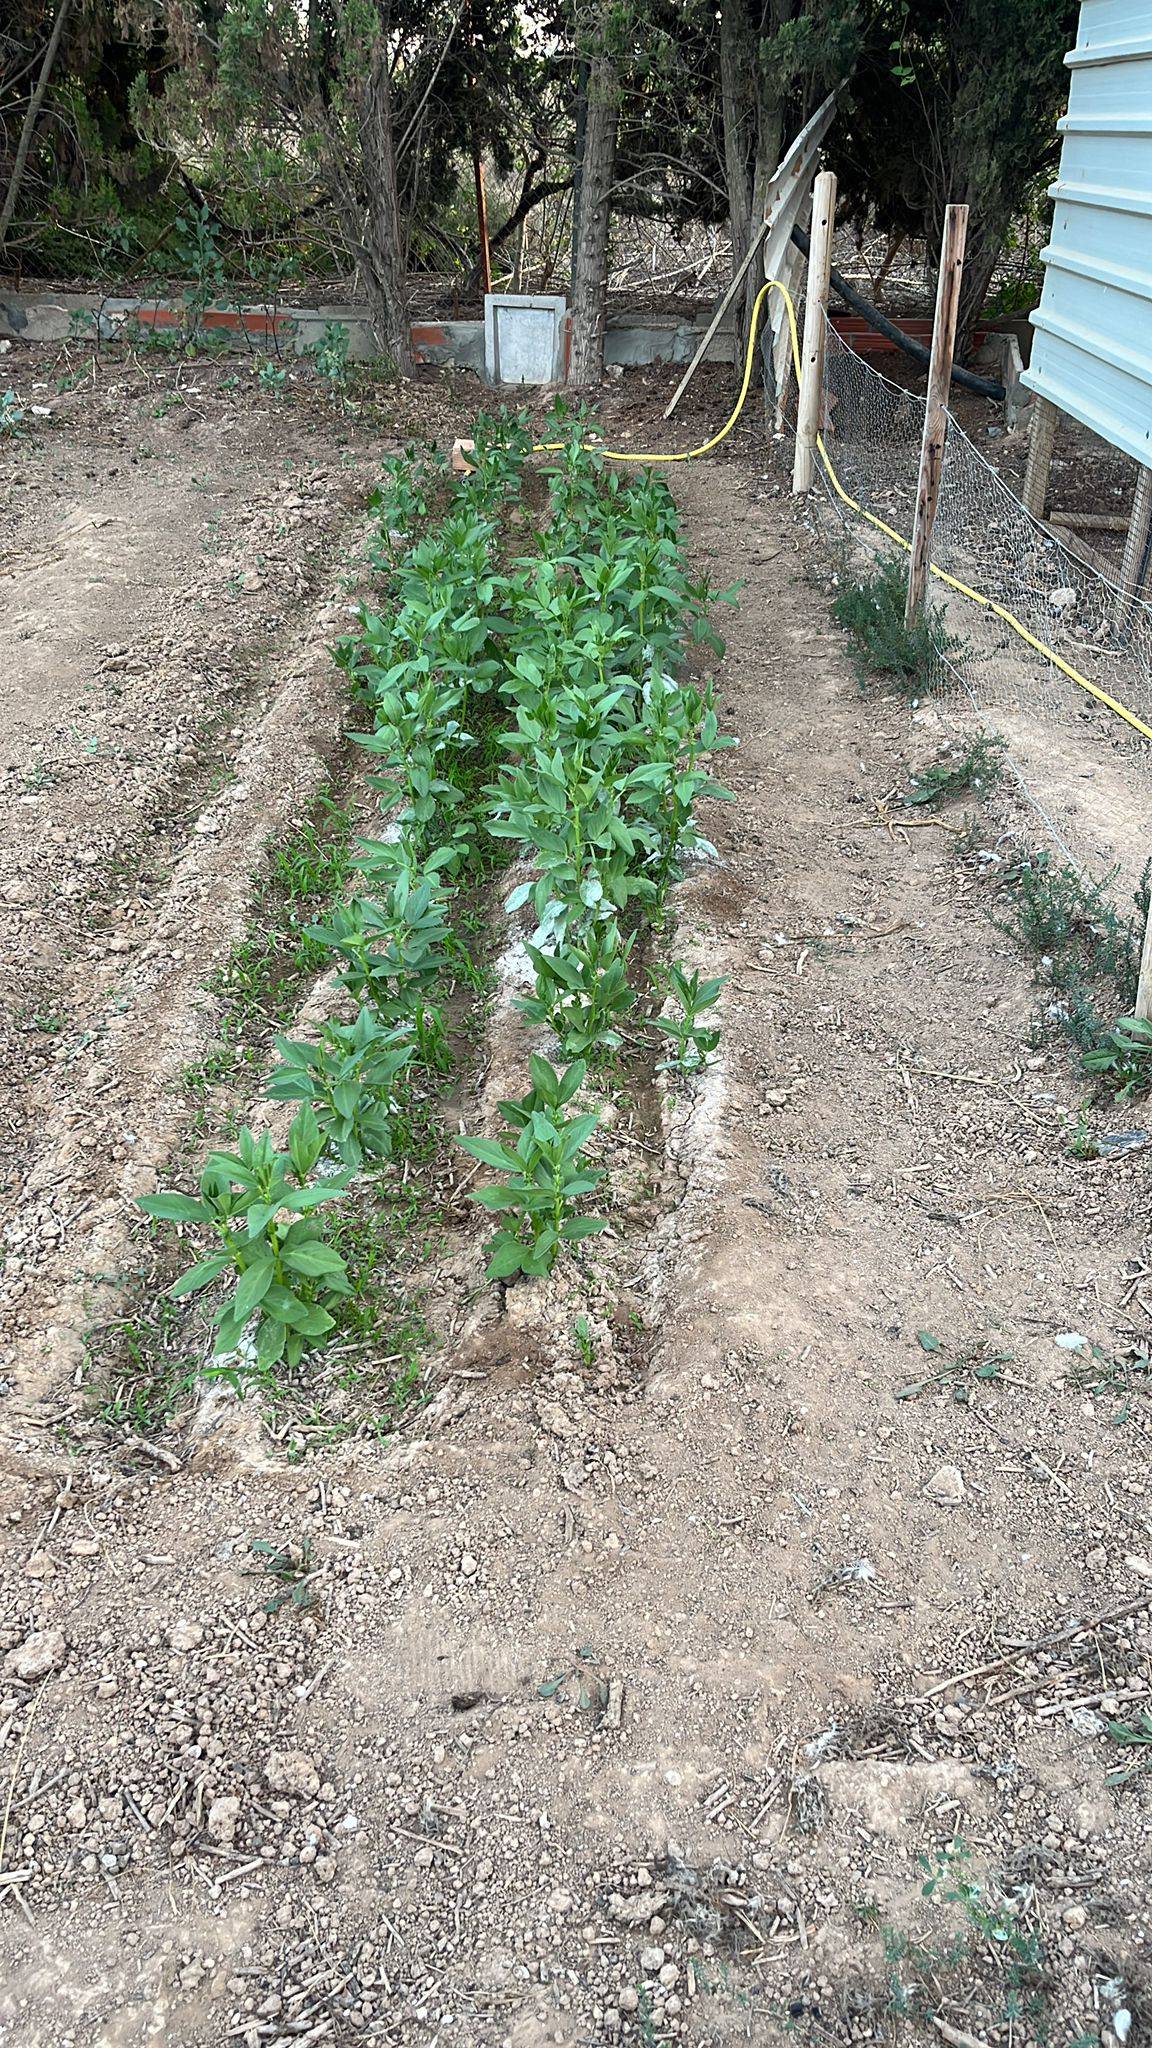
632, 1699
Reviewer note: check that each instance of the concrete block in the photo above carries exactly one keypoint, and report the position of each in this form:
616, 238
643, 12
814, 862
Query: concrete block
525, 338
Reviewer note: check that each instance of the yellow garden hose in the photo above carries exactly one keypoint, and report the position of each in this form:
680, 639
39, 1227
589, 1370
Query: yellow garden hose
989, 604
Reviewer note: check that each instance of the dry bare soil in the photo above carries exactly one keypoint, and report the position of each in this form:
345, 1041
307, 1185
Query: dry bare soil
739, 1674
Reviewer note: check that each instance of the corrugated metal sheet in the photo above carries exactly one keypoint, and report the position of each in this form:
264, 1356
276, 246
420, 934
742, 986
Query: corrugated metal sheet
1092, 345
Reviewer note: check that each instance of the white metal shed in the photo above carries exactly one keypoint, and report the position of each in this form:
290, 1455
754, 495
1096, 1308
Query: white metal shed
1092, 344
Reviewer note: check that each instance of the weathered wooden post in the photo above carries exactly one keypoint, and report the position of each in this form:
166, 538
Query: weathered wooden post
936, 406
815, 326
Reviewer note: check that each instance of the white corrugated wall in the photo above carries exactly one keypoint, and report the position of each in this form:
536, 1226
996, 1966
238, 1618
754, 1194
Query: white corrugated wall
1092, 345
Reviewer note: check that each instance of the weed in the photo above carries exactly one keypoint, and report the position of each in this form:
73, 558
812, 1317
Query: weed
995, 1945
313, 859
692, 1041
1084, 948
585, 1342
272, 380
1123, 1057
873, 613
951, 774
138, 1368
292, 1570
1133, 1735
11, 416
544, 1175
976, 1362
1124, 1376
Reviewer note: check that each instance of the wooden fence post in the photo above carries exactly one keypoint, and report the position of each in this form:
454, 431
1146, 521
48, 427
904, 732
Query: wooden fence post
815, 326
936, 405
1041, 439
1144, 985
1134, 571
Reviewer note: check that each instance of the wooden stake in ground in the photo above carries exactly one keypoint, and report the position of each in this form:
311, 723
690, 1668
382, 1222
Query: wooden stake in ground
1041, 441
815, 328
936, 406
1144, 985
1134, 569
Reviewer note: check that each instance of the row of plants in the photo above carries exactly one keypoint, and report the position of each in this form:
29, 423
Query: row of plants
532, 706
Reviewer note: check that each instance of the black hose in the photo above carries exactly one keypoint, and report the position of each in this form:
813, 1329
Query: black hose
985, 387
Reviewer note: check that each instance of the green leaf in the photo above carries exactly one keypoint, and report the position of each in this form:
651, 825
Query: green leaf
313, 1260
252, 1286
927, 1341
508, 1256
489, 1153
174, 1208
200, 1276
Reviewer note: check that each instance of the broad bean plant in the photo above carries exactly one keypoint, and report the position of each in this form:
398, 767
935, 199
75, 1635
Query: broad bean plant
548, 707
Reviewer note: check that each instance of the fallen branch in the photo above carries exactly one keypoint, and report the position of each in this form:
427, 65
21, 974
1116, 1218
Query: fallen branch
1050, 1641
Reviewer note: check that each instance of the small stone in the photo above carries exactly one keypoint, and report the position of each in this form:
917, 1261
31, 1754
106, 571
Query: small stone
1075, 1916
628, 1999
223, 1815
554, 1419
668, 1975
40, 1566
468, 1566
651, 1960
946, 1486
36, 1656
423, 1859
1097, 1559
293, 1772
185, 1635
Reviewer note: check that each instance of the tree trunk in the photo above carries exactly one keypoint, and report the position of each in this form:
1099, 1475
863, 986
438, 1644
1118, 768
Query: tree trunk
985, 242
737, 55
382, 260
30, 120
590, 266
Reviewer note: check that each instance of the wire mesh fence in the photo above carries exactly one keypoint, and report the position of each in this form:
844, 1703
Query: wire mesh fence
983, 666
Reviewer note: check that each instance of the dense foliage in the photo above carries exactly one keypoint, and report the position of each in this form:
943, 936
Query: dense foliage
344, 133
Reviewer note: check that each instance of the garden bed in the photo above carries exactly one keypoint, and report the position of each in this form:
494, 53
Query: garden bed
593, 1656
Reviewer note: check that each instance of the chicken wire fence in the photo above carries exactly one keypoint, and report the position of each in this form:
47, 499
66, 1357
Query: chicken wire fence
984, 537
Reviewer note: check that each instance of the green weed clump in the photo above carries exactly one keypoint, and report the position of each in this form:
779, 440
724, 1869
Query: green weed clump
1087, 951
978, 769
872, 612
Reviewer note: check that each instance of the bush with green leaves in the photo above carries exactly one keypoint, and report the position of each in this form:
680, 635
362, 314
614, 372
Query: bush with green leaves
329, 354
582, 991
872, 612
350, 1078
395, 949
543, 1175
259, 1206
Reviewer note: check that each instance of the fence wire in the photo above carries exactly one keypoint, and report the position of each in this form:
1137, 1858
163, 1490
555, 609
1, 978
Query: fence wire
985, 538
